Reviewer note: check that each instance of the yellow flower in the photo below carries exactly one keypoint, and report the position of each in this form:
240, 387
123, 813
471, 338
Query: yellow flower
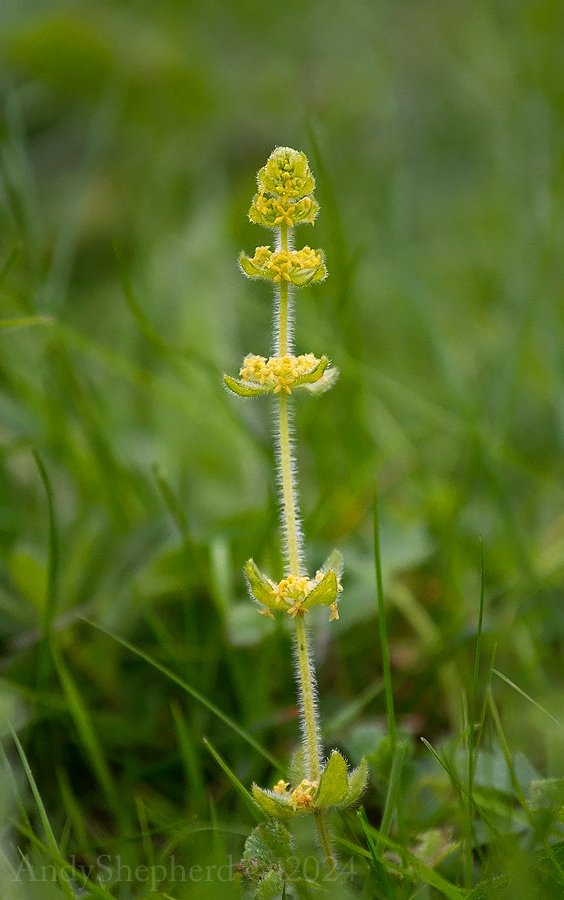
281, 786
333, 613
302, 797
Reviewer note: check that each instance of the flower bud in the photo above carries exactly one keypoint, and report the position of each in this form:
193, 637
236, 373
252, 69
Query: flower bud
286, 174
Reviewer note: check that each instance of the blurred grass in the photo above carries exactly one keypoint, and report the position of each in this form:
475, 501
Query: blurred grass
435, 131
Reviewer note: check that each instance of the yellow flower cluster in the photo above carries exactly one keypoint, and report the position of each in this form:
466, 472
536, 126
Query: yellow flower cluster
285, 187
293, 591
273, 212
302, 797
286, 174
278, 372
297, 267
297, 594
295, 588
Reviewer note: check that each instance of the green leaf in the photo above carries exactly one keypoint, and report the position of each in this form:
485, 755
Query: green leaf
269, 842
334, 784
260, 587
493, 887
249, 267
334, 563
311, 275
273, 804
357, 781
270, 886
325, 383
243, 389
268, 860
323, 594
313, 375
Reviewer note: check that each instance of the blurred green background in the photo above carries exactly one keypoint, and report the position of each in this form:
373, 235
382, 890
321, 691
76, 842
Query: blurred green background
130, 138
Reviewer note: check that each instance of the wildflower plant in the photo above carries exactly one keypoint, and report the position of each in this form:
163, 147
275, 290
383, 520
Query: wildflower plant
285, 199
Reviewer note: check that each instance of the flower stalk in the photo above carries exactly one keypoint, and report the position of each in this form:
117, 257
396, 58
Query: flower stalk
284, 200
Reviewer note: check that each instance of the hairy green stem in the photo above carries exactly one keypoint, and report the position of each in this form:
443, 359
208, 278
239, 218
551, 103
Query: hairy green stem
307, 695
290, 525
290, 512
284, 302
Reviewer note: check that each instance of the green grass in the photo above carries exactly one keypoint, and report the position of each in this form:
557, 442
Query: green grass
144, 692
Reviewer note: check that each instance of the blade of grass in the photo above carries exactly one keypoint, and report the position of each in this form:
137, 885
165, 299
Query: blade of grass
193, 554
469, 843
415, 870
190, 759
145, 833
346, 717
460, 787
237, 784
26, 321
44, 656
52, 845
526, 696
392, 797
14, 787
9, 264
227, 720
377, 867
72, 809
517, 789
71, 873
87, 734
384, 646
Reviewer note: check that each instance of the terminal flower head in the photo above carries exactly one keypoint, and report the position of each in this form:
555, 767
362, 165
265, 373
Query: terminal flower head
285, 191
286, 174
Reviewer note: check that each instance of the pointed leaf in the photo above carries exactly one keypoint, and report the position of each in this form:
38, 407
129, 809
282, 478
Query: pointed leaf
334, 563
323, 594
333, 785
309, 276
260, 587
273, 804
325, 383
244, 389
314, 374
320, 275
249, 268
357, 782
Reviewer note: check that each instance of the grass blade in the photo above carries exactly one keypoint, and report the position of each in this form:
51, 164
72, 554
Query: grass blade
526, 696
87, 733
26, 321
227, 720
43, 663
237, 784
48, 831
